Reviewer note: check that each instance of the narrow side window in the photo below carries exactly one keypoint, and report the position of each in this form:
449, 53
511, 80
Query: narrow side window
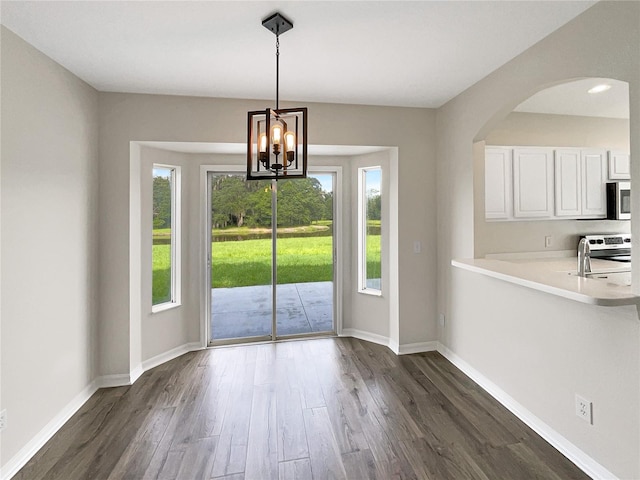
370, 227
166, 235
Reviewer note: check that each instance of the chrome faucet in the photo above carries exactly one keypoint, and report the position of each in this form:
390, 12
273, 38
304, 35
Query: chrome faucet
584, 257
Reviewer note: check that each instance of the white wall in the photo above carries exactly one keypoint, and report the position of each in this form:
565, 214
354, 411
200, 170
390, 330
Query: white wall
602, 42
49, 253
127, 117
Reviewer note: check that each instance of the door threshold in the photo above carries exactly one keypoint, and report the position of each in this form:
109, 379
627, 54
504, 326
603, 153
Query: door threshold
235, 342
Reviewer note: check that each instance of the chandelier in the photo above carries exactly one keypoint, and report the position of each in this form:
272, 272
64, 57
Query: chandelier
277, 138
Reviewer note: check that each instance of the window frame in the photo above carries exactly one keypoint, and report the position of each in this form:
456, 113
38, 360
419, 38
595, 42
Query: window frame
175, 299
362, 231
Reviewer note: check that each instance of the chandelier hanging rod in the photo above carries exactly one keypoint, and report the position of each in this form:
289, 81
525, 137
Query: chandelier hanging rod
277, 24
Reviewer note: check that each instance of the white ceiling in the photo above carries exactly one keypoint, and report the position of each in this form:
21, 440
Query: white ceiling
572, 98
401, 53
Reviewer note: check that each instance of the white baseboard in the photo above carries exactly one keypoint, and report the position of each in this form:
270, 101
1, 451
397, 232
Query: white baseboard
396, 348
106, 381
362, 335
135, 373
583, 461
43, 436
408, 348
170, 355
123, 380
366, 336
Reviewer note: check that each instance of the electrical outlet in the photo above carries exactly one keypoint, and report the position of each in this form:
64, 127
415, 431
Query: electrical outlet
547, 241
3, 419
584, 409
417, 246
441, 320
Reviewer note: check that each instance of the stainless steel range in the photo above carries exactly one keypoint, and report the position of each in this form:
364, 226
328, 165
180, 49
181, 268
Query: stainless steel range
616, 246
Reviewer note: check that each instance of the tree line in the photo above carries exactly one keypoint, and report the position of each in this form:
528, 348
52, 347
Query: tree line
238, 202
161, 202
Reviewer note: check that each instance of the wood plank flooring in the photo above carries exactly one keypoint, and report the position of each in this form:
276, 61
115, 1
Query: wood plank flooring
331, 408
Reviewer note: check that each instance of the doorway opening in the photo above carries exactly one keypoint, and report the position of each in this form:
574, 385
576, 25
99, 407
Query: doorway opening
271, 257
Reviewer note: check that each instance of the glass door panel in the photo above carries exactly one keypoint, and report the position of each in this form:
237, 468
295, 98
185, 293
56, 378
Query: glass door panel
304, 294
243, 276
241, 255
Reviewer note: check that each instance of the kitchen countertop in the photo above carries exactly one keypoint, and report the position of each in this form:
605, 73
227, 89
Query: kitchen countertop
557, 277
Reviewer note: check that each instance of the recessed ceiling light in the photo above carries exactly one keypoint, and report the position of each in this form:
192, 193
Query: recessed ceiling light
603, 87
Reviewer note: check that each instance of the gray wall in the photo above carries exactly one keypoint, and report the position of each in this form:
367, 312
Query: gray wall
537, 129
49, 238
130, 117
173, 328
526, 342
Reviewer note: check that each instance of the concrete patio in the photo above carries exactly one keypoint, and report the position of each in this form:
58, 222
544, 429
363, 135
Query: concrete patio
241, 312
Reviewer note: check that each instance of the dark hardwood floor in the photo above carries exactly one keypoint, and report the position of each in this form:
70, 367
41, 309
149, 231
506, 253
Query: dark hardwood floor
321, 408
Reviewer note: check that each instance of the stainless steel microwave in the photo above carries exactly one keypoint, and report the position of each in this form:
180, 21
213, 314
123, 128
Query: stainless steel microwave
619, 201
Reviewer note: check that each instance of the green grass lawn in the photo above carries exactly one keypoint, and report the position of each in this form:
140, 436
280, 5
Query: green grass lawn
239, 264
161, 261
248, 262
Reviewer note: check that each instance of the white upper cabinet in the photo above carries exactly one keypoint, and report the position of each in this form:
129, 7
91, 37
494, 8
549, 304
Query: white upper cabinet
580, 183
619, 167
548, 182
498, 195
533, 182
568, 184
594, 178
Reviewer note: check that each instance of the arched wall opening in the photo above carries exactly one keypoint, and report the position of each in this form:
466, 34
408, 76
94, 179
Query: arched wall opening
561, 115
532, 350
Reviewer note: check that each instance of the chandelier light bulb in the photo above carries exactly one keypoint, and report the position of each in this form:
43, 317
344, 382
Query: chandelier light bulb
262, 149
276, 134
290, 146
290, 141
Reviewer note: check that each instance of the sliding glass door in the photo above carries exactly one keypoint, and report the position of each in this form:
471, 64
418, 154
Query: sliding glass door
304, 257
240, 257
264, 287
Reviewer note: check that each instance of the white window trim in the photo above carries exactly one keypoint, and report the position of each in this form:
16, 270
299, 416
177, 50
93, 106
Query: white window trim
176, 241
362, 232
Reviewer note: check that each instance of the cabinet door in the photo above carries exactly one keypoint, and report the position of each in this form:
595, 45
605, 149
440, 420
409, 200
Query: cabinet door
619, 167
568, 183
498, 203
533, 182
594, 178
